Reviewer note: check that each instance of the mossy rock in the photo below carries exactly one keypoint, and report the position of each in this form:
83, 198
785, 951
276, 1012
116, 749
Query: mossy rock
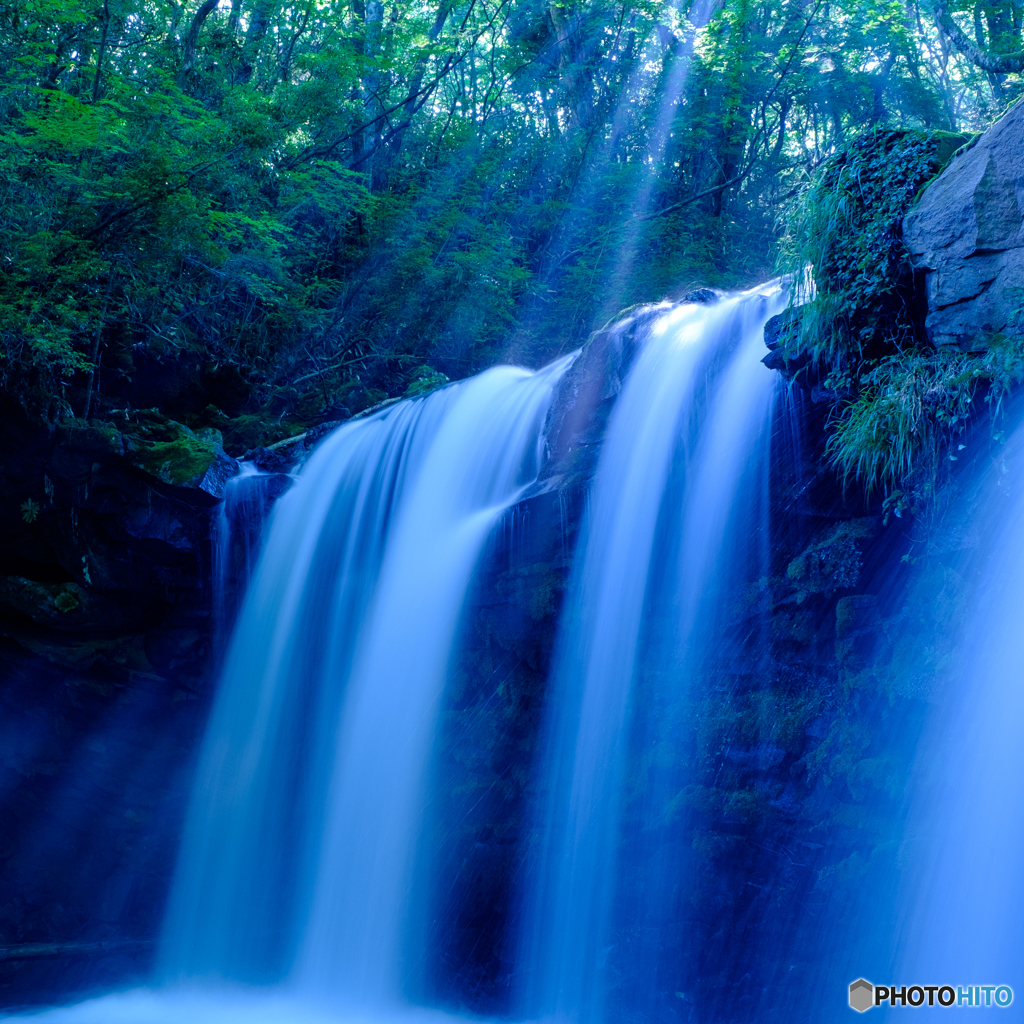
64, 605
176, 455
847, 228
240, 434
94, 437
424, 379
832, 562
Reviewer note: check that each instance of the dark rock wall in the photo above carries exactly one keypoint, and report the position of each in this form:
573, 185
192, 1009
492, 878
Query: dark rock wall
967, 235
104, 657
485, 777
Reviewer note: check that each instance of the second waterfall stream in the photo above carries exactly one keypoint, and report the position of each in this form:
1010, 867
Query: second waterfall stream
299, 893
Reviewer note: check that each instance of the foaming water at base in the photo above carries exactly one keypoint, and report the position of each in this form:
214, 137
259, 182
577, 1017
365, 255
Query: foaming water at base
224, 1006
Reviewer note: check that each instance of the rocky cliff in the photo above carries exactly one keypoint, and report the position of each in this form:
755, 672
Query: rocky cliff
966, 234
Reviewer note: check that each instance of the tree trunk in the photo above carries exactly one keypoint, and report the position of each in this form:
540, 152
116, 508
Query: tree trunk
188, 57
259, 25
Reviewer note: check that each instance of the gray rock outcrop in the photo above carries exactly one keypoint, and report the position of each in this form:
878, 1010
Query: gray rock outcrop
967, 234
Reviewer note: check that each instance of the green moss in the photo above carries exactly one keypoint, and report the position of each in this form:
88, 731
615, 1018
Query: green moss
95, 437
903, 403
168, 450
424, 380
176, 462
239, 434
847, 229
40, 601
108, 435
831, 562
66, 601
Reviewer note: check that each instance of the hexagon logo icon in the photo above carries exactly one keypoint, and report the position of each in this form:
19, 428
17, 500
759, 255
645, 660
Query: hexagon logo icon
862, 995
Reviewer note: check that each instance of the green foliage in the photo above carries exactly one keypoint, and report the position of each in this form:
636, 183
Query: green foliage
847, 228
424, 380
909, 412
318, 198
907, 404
904, 404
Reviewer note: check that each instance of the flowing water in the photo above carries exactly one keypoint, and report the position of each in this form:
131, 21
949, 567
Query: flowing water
961, 922
296, 891
679, 493
238, 540
302, 868
300, 890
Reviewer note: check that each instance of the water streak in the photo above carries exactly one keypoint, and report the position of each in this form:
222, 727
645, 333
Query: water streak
297, 856
964, 886
691, 427
238, 540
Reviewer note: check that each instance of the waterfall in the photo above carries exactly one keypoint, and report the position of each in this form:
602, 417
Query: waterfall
963, 886
297, 857
298, 893
680, 489
238, 537
297, 868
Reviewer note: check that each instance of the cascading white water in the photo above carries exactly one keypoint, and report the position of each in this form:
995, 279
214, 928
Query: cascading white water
297, 873
297, 860
364, 597
696, 406
362, 893
963, 857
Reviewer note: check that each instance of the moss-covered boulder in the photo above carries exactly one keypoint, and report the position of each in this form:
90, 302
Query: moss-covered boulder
61, 605
176, 455
423, 380
165, 449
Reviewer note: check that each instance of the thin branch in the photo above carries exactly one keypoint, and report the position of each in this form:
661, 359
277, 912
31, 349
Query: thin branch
700, 195
335, 366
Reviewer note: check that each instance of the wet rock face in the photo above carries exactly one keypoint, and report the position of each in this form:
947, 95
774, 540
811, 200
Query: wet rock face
967, 234
587, 392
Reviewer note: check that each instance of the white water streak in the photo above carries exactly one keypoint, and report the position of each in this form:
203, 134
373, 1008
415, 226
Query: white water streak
698, 394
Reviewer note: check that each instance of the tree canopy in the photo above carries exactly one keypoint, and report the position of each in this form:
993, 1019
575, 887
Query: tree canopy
318, 204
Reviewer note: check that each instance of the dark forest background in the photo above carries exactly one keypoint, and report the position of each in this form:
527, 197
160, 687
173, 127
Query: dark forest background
291, 211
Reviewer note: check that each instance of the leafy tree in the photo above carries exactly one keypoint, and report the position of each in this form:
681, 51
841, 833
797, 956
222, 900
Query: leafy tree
313, 200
